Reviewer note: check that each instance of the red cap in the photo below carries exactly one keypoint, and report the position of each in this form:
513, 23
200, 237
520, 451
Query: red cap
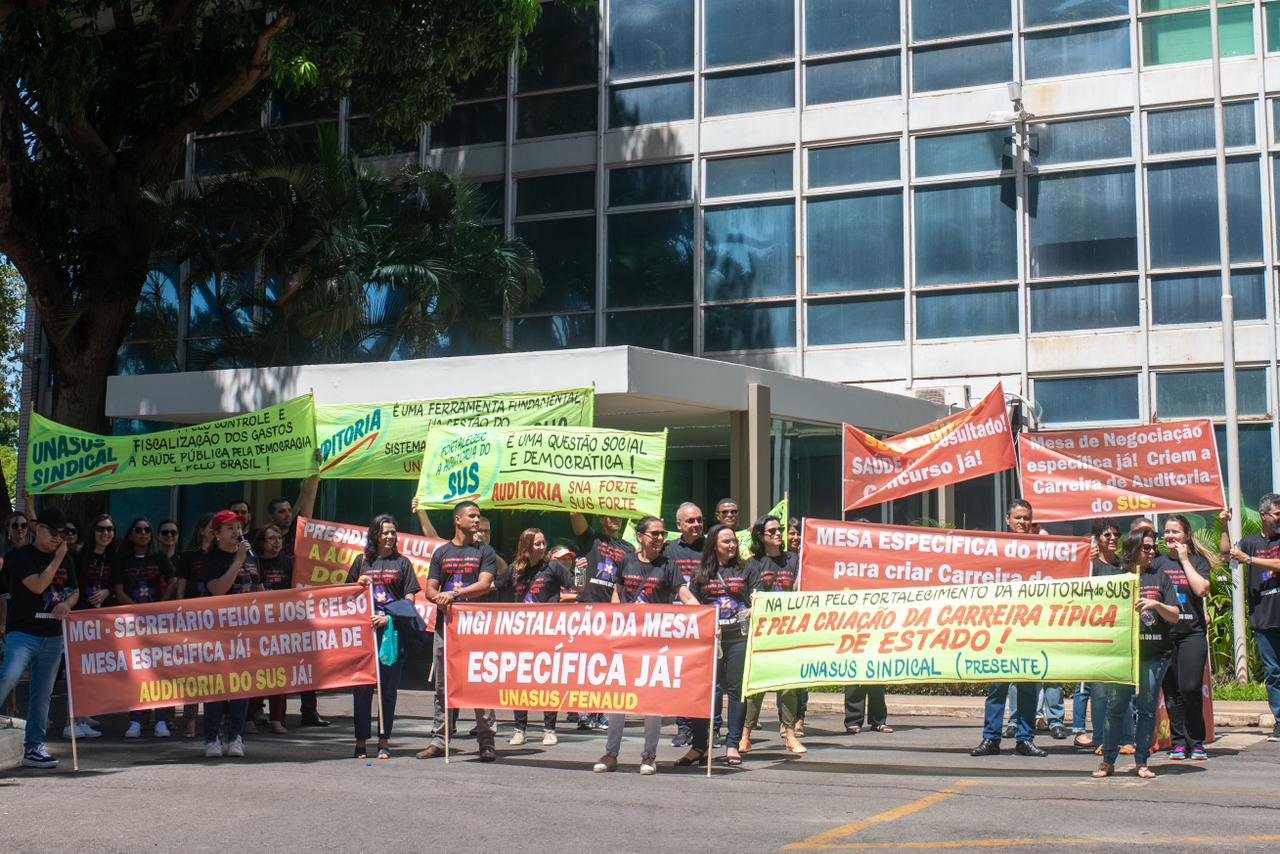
225, 517
561, 551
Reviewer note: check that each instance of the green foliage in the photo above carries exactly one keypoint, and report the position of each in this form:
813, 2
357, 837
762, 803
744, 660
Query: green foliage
1236, 691
9, 466
12, 316
1207, 532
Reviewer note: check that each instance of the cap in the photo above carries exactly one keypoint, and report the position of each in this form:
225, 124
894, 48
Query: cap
52, 517
225, 517
561, 551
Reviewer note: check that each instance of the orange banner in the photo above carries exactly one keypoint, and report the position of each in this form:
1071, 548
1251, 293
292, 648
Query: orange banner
219, 648
969, 444
638, 659
866, 556
324, 552
1121, 471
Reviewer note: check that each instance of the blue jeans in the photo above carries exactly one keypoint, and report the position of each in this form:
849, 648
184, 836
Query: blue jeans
1269, 651
1150, 674
1048, 702
235, 711
1025, 712
1080, 706
44, 655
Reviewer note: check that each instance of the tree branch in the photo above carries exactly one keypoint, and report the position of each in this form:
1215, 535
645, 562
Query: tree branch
29, 117
174, 22
43, 278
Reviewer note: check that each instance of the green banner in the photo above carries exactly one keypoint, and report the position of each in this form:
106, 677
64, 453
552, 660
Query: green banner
273, 443
384, 441
576, 469
1081, 630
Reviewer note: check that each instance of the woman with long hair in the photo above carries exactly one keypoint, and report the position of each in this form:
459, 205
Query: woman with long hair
392, 578
277, 574
17, 531
1190, 573
794, 538
1157, 608
187, 584
140, 575
531, 559
726, 581
94, 565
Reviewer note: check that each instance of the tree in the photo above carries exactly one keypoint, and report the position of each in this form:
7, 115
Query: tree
11, 325
97, 99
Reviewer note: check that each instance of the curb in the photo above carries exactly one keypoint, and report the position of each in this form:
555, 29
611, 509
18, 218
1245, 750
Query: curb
11, 744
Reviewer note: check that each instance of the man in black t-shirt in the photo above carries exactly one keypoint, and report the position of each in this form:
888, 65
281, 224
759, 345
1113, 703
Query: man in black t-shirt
685, 554
1261, 554
43, 589
461, 569
606, 553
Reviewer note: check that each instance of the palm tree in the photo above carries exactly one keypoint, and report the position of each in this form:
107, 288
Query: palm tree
328, 260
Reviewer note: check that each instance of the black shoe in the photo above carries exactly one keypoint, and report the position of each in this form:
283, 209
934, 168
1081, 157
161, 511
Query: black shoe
682, 739
488, 754
986, 748
1010, 731
1275, 733
1058, 732
1028, 748
313, 719
473, 731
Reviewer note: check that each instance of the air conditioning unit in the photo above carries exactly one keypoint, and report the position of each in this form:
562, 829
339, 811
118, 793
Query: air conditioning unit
956, 396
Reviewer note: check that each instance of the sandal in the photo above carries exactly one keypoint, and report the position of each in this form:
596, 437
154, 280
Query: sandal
1106, 769
383, 753
850, 730
693, 757
733, 759
360, 753
885, 728
1128, 749
1146, 773
1097, 751
798, 729
1083, 740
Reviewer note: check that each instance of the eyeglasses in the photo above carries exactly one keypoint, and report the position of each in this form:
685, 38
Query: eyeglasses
771, 531
141, 529
1147, 548
168, 532
733, 512
17, 526
654, 534
104, 529
696, 520
56, 532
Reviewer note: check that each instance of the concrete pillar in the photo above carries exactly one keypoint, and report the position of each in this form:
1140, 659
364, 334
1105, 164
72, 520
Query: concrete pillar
755, 499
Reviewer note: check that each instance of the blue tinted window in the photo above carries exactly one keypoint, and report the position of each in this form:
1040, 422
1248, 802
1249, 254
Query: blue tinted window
1197, 298
854, 164
558, 332
966, 233
650, 258
855, 242
955, 153
650, 37
670, 330
638, 185
1191, 129
561, 50
572, 191
565, 250
961, 66
1077, 399
940, 19
855, 321
1255, 446
220, 307
1077, 50
836, 25
750, 92
742, 31
853, 79
1182, 201
1083, 222
738, 176
1192, 394
750, 251
556, 114
1084, 305
650, 103
471, 124
967, 314
1037, 13
1087, 139
749, 327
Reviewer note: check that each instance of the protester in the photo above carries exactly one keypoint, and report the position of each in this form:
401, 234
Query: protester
460, 569
1261, 554
1184, 681
43, 589
1157, 606
17, 531
73, 539
727, 513
96, 564
141, 575
277, 574
647, 578
284, 515
167, 541
685, 554
727, 582
530, 562
227, 567
1018, 519
1106, 562
776, 571
392, 578
606, 553
564, 558
794, 539
241, 509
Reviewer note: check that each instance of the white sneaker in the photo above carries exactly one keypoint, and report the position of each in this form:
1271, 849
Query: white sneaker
162, 729
648, 765
549, 738
236, 747
213, 749
517, 738
134, 730
83, 730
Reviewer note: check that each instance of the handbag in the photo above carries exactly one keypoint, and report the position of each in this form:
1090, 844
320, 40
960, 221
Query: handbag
389, 649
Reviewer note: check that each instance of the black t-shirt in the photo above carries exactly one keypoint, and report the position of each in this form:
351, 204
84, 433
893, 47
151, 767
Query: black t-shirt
1191, 605
1154, 640
215, 565
508, 587
1101, 569
144, 578
684, 557
776, 574
277, 572
655, 583
454, 567
393, 578
730, 591
94, 571
32, 613
547, 584
605, 559
191, 570
1264, 584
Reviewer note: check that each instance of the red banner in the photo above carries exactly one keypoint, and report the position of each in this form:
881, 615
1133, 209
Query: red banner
638, 659
1121, 471
969, 444
324, 551
865, 556
219, 648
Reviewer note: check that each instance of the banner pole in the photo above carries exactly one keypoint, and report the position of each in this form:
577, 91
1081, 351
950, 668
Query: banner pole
71, 708
711, 741
444, 657
377, 662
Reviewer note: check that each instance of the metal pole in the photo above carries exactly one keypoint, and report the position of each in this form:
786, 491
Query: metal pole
1228, 351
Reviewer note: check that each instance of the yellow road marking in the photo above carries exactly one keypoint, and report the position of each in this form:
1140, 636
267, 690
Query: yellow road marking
1025, 843
828, 840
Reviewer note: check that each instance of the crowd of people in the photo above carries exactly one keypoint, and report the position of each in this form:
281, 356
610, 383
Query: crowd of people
48, 571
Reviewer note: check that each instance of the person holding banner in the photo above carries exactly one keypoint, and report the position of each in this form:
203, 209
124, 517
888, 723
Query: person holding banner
794, 538
685, 554
141, 574
727, 582
392, 577
776, 570
1184, 681
647, 578
516, 585
277, 574
1158, 607
1108, 561
43, 589
228, 567
461, 569
187, 582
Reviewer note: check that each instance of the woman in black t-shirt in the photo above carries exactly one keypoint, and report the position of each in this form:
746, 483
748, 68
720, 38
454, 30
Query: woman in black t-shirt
515, 585
1184, 682
725, 581
276, 570
141, 575
94, 565
187, 580
392, 578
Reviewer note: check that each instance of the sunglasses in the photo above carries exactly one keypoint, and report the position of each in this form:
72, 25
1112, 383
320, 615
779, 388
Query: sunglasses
772, 531
104, 529
168, 532
1148, 548
17, 526
654, 534
140, 529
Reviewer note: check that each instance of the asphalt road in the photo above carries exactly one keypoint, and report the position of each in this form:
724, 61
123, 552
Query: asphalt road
914, 789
